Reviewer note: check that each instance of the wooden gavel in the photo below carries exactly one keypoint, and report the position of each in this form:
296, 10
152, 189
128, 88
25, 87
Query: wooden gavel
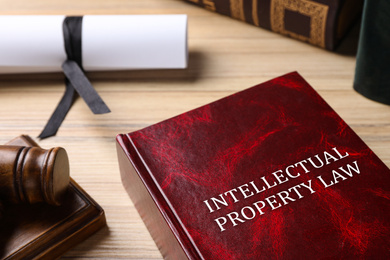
32, 175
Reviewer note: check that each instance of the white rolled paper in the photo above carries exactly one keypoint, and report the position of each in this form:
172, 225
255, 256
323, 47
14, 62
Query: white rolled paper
32, 43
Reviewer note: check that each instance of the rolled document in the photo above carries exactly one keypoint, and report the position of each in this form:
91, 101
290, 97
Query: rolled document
109, 42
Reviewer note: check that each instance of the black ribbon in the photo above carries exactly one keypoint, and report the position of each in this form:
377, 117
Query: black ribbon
75, 80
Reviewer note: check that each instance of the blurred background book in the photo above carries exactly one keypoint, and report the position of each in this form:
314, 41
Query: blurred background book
319, 22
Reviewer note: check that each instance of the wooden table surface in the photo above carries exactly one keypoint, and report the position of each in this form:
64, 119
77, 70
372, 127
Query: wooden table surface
225, 56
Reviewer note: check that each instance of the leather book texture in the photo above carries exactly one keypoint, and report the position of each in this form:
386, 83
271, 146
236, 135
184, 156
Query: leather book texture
321, 23
271, 172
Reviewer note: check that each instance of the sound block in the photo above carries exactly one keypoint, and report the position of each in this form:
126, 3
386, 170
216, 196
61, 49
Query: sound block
42, 231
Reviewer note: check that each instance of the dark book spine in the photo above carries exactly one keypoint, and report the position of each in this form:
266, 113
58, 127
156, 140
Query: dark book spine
160, 220
315, 22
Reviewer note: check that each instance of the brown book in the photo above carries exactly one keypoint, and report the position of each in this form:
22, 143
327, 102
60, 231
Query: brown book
319, 22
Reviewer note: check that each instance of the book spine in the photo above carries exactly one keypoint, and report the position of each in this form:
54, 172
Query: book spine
309, 21
149, 202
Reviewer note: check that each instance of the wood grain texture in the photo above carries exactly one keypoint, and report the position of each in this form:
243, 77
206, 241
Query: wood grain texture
33, 175
43, 231
225, 56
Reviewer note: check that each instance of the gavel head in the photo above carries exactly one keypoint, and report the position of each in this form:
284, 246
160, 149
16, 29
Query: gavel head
32, 174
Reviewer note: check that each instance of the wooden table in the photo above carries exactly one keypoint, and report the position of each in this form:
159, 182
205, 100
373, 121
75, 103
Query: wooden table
225, 56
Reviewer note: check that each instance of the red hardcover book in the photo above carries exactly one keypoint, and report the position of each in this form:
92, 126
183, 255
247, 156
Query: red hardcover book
271, 172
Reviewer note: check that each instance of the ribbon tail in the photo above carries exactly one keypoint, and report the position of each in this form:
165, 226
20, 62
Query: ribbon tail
60, 112
84, 87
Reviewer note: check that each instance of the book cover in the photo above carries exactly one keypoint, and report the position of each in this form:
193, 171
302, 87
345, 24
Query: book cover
319, 22
271, 172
